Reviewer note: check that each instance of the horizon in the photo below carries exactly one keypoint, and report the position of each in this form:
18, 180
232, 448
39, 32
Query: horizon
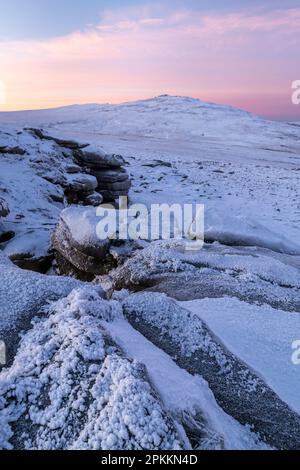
55, 55
120, 103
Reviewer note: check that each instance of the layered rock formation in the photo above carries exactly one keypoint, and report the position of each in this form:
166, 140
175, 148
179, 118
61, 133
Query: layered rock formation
113, 180
107, 176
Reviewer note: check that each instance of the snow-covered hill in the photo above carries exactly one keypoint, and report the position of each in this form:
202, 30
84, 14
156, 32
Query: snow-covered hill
168, 118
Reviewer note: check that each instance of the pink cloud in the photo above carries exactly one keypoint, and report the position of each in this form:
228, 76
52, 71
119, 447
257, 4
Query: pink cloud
138, 55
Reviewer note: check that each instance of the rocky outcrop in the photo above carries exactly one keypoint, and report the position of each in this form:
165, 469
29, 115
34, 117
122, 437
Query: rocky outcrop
69, 144
77, 249
53, 173
107, 175
214, 271
113, 180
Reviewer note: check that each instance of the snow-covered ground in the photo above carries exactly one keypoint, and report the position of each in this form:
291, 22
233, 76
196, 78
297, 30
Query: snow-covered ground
244, 169
260, 335
245, 286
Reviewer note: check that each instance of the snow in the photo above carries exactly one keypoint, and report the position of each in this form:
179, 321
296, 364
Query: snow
164, 116
82, 223
23, 293
184, 329
261, 336
216, 270
70, 388
245, 170
180, 391
32, 243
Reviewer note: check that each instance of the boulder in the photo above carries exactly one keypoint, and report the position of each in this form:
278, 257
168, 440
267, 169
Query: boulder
80, 183
30, 250
94, 199
111, 176
72, 169
113, 183
95, 157
78, 187
75, 243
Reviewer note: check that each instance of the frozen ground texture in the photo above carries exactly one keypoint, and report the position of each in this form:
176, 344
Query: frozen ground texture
176, 363
70, 387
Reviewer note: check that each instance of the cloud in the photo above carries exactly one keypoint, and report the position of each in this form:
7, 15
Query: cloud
137, 53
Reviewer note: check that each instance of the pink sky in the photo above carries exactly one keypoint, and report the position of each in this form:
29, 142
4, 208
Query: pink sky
245, 60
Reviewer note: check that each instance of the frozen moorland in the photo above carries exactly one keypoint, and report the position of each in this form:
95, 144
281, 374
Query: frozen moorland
144, 345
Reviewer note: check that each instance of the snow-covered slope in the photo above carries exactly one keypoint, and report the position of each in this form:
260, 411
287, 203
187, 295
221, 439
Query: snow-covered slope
168, 117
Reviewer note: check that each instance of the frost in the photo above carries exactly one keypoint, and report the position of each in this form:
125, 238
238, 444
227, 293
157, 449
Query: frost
70, 386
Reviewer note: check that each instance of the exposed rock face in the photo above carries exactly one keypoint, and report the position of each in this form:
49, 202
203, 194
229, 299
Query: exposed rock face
77, 249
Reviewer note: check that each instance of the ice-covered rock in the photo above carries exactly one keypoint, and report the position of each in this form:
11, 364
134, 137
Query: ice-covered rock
30, 250
23, 294
71, 387
113, 180
237, 389
250, 274
77, 247
94, 157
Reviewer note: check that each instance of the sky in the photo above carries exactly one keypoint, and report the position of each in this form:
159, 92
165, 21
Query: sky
61, 52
